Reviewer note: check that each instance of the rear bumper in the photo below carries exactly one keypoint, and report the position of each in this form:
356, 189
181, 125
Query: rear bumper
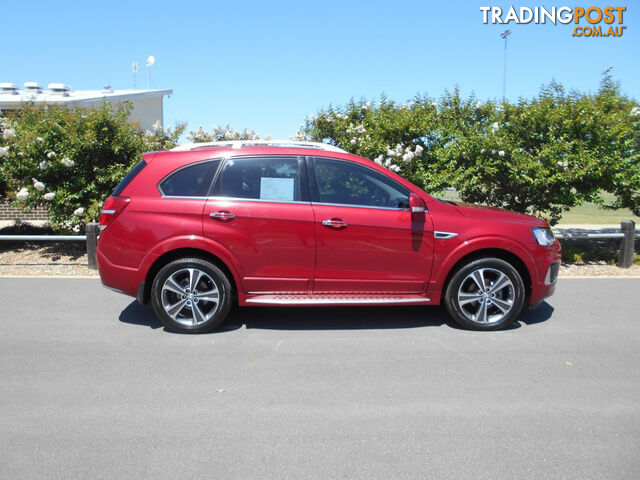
122, 279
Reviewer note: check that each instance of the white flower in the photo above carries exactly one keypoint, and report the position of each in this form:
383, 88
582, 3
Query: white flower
419, 150
78, 211
9, 133
51, 155
478, 104
228, 135
353, 141
483, 150
157, 126
4, 151
67, 162
38, 185
407, 157
635, 111
49, 196
378, 159
43, 164
501, 153
23, 194
394, 168
435, 104
39, 139
495, 127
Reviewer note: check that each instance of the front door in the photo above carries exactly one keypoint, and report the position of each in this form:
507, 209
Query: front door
368, 241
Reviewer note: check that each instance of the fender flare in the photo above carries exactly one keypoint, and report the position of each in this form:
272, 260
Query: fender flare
194, 242
493, 242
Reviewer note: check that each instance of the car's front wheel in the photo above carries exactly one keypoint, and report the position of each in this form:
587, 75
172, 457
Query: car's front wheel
485, 294
191, 295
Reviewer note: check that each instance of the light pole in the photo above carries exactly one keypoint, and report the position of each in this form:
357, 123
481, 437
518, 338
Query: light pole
504, 35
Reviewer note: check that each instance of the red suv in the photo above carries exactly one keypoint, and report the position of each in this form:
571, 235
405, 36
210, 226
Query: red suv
200, 227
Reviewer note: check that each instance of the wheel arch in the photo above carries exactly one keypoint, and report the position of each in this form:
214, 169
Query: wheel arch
144, 292
509, 257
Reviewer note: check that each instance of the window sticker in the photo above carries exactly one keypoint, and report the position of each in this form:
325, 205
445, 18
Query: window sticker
276, 188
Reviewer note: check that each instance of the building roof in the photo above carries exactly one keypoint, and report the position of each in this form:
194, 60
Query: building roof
60, 94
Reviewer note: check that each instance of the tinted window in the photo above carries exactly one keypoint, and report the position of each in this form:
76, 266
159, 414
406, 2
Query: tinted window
128, 177
192, 181
350, 184
263, 178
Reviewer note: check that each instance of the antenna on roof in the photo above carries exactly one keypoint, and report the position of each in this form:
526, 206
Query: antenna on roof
134, 69
150, 61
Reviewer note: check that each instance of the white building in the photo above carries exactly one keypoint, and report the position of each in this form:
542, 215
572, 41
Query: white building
147, 104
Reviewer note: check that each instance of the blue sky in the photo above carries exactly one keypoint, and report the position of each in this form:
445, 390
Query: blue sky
266, 65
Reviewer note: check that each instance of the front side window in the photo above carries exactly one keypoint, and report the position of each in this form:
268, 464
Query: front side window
347, 183
191, 181
260, 178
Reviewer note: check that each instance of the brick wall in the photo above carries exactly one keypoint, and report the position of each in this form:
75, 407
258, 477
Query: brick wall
9, 212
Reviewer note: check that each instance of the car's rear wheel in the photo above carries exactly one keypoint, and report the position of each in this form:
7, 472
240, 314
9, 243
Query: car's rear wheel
485, 294
191, 295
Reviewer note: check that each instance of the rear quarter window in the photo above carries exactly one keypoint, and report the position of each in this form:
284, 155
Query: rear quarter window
128, 177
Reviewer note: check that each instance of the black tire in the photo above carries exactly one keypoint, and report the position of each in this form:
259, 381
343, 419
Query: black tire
194, 311
493, 307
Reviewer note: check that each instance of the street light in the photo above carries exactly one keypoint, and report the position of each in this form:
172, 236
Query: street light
504, 35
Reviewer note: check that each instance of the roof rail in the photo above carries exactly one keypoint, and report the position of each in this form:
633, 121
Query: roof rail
237, 144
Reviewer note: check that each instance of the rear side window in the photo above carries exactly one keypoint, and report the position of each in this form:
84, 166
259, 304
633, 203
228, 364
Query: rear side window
128, 177
191, 181
260, 178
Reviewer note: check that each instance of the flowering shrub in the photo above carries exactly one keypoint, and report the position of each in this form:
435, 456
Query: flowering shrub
71, 159
540, 156
220, 134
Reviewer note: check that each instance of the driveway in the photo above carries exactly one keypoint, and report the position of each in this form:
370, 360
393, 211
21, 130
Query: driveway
93, 387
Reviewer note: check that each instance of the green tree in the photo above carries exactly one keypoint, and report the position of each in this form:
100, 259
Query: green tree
540, 156
71, 159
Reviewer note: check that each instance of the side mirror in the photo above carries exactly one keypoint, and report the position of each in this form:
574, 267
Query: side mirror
416, 205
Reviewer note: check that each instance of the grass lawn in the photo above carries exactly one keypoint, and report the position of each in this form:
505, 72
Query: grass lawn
587, 213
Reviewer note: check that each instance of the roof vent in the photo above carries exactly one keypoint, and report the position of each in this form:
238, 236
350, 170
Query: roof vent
33, 87
11, 88
107, 88
60, 88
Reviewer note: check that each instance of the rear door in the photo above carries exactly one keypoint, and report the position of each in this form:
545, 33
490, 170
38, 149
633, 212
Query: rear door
367, 239
260, 211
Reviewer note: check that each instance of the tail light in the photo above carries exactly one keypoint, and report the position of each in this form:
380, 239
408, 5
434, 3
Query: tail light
112, 207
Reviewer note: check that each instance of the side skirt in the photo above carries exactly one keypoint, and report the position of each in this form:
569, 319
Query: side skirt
337, 299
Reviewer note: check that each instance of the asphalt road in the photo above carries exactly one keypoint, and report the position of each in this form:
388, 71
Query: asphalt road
91, 386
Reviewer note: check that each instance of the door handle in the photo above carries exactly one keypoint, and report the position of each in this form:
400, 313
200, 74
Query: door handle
335, 223
223, 215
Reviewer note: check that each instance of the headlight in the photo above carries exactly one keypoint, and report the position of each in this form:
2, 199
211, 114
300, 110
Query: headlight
544, 236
